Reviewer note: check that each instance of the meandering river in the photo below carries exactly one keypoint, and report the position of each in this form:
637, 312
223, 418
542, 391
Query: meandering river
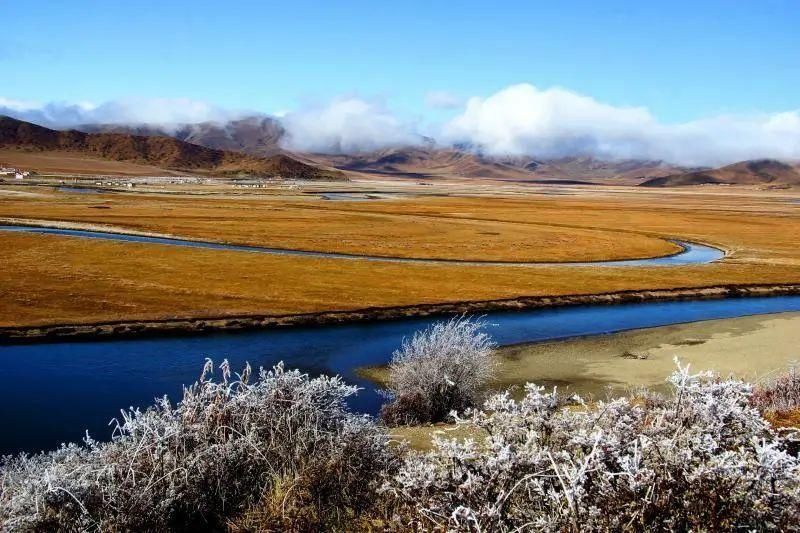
692, 253
54, 392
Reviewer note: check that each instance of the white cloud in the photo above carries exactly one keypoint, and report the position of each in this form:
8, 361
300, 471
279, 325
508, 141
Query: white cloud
17, 105
163, 111
522, 119
443, 100
346, 125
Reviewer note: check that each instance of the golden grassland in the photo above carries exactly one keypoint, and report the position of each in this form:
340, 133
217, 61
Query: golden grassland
410, 228
77, 163
57, 280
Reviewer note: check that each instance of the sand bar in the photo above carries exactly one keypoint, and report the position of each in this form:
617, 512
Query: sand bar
752, 348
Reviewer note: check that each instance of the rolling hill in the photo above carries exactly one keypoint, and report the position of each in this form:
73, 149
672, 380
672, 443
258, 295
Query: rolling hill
152, 151
254, 135
433, 162
761, 172
421, 163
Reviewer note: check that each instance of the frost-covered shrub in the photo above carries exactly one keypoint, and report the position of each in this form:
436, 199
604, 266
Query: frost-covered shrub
443, 368
702, 459
224, 448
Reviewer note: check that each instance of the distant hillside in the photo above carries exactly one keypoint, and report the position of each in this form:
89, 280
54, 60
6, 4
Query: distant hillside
261, 136
255, 135
159, 151
758, 172
622, 171
429, 162
422, 162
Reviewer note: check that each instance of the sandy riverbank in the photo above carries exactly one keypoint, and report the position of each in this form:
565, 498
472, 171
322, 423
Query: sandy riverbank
751, 348
747, 347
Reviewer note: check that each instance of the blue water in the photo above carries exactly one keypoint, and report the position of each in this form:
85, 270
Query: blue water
53, 392
692, 253
82, 190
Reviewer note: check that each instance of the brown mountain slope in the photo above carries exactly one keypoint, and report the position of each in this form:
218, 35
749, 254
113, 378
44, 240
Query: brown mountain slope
163, 152
422, 162
255, 135
757, 172
429, 162
261, 136
622, 171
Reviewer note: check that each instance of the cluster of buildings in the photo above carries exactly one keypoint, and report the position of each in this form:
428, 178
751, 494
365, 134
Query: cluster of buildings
265, 184
128, 184
17, 173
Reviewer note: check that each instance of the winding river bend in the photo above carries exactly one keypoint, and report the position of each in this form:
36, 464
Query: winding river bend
53, 392
692, 253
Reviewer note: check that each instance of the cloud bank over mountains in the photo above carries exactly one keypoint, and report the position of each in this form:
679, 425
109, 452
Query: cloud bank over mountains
522, 119
346, 125
518, 120
163, 111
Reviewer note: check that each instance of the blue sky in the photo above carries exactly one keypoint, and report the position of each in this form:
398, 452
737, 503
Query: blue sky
680, 60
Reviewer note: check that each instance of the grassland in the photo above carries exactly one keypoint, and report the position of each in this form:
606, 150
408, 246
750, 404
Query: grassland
424, 228
57, 280
77, 163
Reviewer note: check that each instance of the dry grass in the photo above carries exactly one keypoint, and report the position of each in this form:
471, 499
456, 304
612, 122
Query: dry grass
417, 228
784, 419
77, 163
49, 279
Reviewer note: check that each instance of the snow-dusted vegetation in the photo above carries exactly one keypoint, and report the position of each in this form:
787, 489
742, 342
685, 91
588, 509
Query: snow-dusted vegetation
443, 368
229, 446
701, 458
281, 451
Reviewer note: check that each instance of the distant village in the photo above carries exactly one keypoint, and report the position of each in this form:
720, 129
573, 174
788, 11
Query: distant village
16, 173
108, 181
131, 182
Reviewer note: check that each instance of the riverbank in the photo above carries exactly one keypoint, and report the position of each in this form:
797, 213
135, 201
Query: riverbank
195, 325
750, 348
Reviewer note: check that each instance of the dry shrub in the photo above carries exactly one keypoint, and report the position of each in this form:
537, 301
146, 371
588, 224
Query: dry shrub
779, 395
225, 447
443, 368
702, 459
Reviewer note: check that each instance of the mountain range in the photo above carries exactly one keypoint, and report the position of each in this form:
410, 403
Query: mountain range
769, 172
155, 150
255, 135
262, 136
253, 145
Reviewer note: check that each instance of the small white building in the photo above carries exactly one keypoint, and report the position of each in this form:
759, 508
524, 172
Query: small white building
19, 175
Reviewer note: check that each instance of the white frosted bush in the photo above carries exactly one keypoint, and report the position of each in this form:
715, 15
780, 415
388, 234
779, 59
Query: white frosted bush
194, 465
284, 453
443, 368
701, 459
